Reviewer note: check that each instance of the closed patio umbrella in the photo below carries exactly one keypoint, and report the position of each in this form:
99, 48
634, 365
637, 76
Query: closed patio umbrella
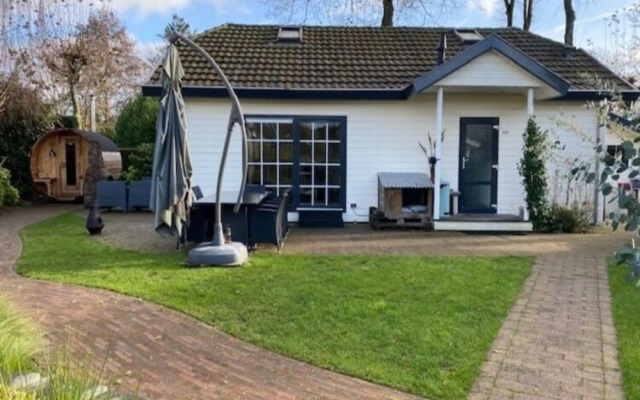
171, 195
218, 251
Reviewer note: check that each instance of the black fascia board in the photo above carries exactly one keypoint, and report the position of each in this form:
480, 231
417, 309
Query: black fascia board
595, 95
285, 94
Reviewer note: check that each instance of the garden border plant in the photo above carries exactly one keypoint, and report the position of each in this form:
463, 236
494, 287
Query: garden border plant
545, 216
61, 376
534, 174
9, 195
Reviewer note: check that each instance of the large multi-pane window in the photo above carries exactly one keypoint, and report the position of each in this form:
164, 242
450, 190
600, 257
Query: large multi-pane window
303, 154
270, 154
320, 169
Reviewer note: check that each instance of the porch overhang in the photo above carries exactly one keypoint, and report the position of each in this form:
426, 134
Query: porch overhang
558, 86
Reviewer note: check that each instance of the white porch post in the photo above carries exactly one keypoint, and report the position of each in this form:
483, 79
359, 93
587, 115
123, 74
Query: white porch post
599, 205
530, 110
438, 153
530, 113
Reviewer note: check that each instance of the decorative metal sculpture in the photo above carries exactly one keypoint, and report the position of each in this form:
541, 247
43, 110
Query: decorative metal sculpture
94, 220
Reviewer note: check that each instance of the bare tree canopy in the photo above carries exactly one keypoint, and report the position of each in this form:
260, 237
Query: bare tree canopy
361, 12
179, 25
622, 45
69, 49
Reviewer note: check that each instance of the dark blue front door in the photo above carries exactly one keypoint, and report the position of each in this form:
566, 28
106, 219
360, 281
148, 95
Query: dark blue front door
478, 167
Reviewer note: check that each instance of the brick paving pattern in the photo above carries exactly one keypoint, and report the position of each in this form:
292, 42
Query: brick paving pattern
168, 354
557, 342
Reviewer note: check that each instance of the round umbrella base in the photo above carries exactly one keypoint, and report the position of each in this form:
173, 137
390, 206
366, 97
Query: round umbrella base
228, 254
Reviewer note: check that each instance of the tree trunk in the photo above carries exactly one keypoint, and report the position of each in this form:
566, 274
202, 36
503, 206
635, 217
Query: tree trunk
387, 13
527, 9
570, 19
75, 106
509, 5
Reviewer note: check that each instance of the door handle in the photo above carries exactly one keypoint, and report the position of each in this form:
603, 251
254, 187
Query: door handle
464, 162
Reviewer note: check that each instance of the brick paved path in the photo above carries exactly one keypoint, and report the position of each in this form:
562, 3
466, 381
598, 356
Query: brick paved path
558, 340
173, 356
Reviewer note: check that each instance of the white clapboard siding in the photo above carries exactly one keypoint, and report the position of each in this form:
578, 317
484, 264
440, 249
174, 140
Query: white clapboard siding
577, 135
384, 136
491, 69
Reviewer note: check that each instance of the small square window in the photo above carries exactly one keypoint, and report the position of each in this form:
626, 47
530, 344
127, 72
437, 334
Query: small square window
289, 34
469, 35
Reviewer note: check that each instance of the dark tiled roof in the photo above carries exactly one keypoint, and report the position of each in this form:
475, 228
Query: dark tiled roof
360, 58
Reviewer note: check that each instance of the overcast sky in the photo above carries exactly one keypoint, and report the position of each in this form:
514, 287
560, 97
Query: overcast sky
146, 18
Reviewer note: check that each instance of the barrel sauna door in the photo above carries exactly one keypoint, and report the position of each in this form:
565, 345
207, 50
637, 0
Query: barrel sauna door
70, 167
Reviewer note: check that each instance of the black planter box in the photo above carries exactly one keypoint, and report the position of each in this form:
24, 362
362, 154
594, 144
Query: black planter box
320, 218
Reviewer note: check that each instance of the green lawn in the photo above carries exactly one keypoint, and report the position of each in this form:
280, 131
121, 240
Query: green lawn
419, 324
625, 299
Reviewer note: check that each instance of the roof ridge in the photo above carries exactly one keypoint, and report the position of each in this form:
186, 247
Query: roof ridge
363, 27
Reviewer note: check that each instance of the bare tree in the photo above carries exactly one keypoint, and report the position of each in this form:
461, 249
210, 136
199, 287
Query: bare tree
570, 20
621, 45
67, 49
527, 14
113, 72
362, 12
509, 6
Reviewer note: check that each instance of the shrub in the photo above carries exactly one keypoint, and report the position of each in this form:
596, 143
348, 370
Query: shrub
561, 219
22, 121
140, 162
8, 194
136, 123
534, 173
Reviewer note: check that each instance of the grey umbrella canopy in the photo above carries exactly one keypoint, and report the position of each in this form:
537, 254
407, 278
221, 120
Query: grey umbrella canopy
171, 195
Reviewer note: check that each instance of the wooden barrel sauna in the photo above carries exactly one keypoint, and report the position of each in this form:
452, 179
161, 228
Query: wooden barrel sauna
60, 158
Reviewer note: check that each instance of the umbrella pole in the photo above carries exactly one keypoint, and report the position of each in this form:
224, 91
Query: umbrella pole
218, 235
218, 252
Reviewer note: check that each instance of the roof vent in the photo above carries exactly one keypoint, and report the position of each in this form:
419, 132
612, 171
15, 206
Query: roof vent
567, 52
442, 49
289, 35
468, 35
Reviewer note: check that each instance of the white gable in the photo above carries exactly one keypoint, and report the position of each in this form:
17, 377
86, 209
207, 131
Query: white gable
491, 69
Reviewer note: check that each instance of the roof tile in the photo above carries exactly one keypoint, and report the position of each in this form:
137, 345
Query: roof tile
360, 57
